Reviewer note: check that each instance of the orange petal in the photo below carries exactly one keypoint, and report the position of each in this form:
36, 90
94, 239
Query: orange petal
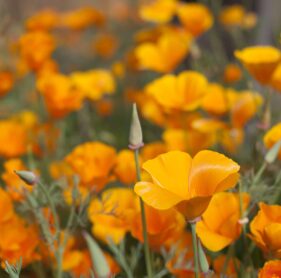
211, 172
156, 196
170, 171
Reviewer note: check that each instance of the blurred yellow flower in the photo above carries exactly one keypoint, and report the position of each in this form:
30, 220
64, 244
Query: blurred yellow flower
182, 92
260, 61
195, 17
272, 136
232, 15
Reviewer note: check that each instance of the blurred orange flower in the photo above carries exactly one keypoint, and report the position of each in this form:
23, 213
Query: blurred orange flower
266, 229
113, 214
105, 45
195, 17
232, 73
182, 92
260, 61
189, 184
93, 163
6, 82
216, 232
232, 264
158, 11
232, 15
271, 269
165, 54
272, 136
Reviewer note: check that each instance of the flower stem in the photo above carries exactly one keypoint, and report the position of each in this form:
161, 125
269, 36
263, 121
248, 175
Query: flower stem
143, 220
195, 249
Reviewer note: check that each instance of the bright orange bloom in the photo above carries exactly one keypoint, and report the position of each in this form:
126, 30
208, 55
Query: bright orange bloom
82, 18
232, 73
14, 185
266, 229
60, 94
195, 17
44, 44
276, 79
113, 214
272, 136
215, 101
6, 206
44, 20
159, 11
260, 61
218, 265
216, 232
93, 163
6, 82
125, 169
271, 269
189, 184
182, 92
94, 84
163, 227
165, 54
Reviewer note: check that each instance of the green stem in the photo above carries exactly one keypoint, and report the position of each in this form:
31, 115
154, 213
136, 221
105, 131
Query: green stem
143, 220
195, 249
259, 173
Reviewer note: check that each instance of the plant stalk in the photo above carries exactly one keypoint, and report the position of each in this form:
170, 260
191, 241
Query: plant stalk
195, 249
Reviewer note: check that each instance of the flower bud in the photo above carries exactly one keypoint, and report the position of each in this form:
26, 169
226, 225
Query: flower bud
28, 177
135, 137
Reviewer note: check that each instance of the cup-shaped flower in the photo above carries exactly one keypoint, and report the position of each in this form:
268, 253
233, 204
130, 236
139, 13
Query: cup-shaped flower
185, 183
260, 61
266, 229
271, 269
220, 222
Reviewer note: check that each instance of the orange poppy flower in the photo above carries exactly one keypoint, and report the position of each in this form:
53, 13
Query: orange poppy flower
151, 150
105, 45
60, 94
189, 184
231, 139
104, 107
232, 15
6, 206
276, 79
260, 61
216, 232
125, 168
159, 11
272, 136
266, 229
271, 269
195, 17
94, 84
93, 163
44, 44
218, 265
165, 54
232, 73
182, 92
6, 82
113, 214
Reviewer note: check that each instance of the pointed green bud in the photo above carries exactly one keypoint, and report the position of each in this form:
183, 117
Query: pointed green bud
135, 137
273, 152
27, 176
204, 265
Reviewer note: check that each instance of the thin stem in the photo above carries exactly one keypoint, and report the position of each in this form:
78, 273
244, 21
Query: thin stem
259, 173
195, 249
143, 220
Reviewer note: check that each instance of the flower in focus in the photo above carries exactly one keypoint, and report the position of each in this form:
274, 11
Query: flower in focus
232, 73
6, 82
271, 269
266, 229
36, 47
272, 136
159, 11
113, 214
60, 94
182, 92
93, 163
165, 54
216, 232
195, 17
260, 61
94, 84
189, 184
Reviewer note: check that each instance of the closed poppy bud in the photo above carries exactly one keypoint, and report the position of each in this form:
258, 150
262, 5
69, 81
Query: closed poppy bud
27, 176
135, 137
